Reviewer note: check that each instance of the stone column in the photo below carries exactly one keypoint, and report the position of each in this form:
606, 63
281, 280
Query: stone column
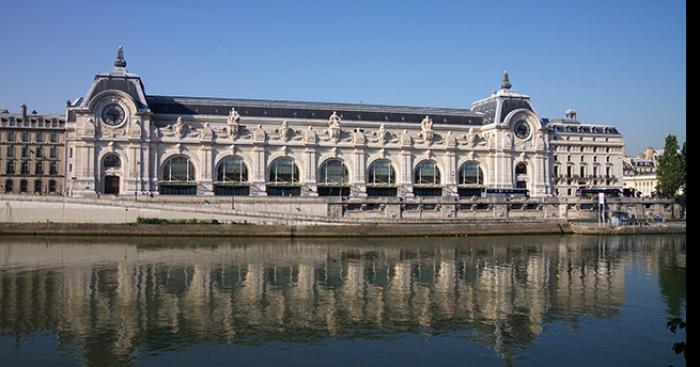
258, 175
84, 167
206, 185
309, 163
406, 171
450, 175
155, 168
145, 168
359, 181
130, 184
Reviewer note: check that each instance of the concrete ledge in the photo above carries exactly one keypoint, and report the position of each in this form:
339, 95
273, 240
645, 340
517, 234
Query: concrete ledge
360, 230
662, 228
238, 230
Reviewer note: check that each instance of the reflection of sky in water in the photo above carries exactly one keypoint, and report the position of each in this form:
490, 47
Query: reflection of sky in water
488, 300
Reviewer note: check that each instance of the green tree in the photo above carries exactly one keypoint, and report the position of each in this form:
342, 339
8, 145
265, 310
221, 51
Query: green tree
685, 170
670, 173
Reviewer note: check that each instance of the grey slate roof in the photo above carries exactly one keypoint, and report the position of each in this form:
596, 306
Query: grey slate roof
311, 110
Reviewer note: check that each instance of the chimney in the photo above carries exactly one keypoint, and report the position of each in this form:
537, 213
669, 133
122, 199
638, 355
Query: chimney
23, 109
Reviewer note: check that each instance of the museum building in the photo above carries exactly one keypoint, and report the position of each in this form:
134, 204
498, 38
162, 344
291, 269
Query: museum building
120, 140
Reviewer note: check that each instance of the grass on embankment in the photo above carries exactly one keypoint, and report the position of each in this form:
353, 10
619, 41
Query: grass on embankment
141, 220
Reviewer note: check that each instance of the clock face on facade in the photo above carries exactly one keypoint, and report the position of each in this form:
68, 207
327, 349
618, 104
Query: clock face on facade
522, 129
113, 114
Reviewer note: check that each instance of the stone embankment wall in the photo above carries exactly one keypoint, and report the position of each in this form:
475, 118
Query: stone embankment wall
325, 230
333, 210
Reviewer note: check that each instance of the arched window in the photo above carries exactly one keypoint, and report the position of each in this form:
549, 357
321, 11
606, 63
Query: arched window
111, 161
333, 171
232, 169
284, 171
381, 172
427, 173
178, 169
521, 180
471, 174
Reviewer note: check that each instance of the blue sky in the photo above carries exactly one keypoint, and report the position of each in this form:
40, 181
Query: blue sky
617, 62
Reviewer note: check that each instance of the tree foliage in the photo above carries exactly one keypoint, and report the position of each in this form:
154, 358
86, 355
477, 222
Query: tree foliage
670, 172
684, 187
674, 324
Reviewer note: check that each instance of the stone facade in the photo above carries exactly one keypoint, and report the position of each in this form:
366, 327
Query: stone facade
122, 140
32, 149
640, 173
584, 156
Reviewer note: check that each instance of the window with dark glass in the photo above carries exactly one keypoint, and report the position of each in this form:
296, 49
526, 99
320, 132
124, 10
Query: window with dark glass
381, 172
112, 161
284, 170
25, 151
52, 152
25, 136
10, 168
52, 186
521, 169
54, 137
39, 137
37, 185
232, 169
333, 171
10, 151
178, 169
38, 168
470, 174
427, 173
53, 168
24, 168
23, 186
39, 152
9, 185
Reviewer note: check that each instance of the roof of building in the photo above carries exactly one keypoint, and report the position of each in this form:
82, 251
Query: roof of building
571, 126
32, 119
310, 110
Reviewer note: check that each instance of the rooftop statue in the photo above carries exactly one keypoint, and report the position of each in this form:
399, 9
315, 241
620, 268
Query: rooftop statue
120, 61
334, 120
426, 124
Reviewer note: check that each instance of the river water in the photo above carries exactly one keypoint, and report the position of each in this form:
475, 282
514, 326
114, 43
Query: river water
523, 301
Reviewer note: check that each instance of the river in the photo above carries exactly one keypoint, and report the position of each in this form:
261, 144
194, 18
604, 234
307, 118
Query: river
516, 300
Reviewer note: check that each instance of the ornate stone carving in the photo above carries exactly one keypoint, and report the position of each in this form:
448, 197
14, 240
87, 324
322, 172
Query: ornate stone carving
426, 126
334, 127
450, 140
233, 122
88, 128
310, 136
284, 133
381, 136
259, 135
206, 132
406, 139
334, 120
135, 129
177, 130
358, 137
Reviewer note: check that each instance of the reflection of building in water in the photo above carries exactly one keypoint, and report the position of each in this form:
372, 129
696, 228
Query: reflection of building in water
131, 296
